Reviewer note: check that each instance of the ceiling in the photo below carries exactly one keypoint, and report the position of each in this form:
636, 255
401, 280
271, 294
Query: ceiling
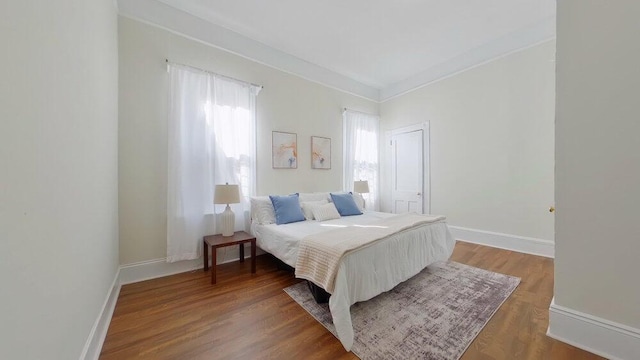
389, 46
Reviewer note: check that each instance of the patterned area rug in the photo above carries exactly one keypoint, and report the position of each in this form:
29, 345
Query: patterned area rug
434, 315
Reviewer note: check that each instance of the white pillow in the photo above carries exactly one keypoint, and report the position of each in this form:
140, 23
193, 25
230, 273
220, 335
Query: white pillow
326, 212
262, 210
308, 206
305, 197
359, 200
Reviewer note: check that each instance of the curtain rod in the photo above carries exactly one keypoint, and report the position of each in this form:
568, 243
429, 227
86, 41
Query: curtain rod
213, 73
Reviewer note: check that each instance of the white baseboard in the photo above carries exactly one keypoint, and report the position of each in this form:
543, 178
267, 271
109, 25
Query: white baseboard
591, 333
152, 269
517, 243
132, 273
93, 346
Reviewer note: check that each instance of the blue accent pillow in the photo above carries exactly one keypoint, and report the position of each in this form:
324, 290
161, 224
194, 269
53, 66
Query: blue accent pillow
287, 209
345, 204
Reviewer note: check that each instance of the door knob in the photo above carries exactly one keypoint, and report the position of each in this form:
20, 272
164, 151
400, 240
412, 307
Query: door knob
552, 209
419, 194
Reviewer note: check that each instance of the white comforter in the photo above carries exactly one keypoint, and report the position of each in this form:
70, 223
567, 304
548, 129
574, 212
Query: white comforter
367, 272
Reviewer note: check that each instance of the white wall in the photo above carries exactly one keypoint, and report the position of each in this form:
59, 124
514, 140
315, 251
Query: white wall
491, 142
287, 103
58, 173
598, 160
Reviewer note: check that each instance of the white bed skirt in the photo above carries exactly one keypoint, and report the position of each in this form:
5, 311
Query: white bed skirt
373, 270
366, 272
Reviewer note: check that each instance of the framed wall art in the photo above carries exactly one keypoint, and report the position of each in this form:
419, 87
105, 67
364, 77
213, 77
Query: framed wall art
284, 147
320, 152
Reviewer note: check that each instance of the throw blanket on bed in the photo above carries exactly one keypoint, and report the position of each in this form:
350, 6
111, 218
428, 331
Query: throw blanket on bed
319, 255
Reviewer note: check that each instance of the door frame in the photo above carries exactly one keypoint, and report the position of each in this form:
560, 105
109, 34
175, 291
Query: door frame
426, 160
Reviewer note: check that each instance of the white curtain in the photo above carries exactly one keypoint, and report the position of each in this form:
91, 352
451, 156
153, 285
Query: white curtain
361, 153
212, 127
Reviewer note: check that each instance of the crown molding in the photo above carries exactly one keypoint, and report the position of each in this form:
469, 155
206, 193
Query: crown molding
177, 21
499, 48
160, 14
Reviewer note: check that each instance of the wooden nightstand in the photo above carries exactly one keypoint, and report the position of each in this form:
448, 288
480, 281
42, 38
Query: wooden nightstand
218, 241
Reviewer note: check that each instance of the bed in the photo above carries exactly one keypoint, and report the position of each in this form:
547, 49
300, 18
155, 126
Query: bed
366, 272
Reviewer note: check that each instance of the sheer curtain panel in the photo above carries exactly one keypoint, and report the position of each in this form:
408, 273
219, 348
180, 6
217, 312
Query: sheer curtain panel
361, 153
212, 127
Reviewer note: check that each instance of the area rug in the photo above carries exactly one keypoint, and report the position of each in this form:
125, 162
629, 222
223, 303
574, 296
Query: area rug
434, 315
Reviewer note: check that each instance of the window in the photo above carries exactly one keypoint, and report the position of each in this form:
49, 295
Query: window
361, 153
212, 122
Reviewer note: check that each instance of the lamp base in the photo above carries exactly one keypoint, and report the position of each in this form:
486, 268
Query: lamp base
227, 221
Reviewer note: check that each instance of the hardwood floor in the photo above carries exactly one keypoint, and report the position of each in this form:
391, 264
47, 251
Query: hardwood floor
248, 316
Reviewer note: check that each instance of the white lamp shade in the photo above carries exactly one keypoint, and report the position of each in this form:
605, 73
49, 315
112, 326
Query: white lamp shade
361, 186
226, 194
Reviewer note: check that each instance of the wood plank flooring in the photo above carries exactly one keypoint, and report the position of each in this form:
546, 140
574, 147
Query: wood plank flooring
248, 316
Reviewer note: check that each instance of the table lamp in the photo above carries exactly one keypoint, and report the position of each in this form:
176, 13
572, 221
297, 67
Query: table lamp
227, 194
361, 186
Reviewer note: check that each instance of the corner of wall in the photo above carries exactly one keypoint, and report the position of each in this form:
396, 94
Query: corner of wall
591, 333
98, 332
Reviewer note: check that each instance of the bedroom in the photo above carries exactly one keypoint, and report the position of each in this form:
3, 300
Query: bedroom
78, 206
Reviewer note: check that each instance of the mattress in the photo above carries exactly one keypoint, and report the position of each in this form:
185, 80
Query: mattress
282, 240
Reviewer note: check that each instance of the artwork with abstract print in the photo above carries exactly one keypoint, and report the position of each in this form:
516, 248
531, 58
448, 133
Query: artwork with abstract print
320, 152
284, 150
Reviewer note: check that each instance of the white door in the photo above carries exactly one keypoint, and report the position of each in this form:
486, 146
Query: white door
407, 166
